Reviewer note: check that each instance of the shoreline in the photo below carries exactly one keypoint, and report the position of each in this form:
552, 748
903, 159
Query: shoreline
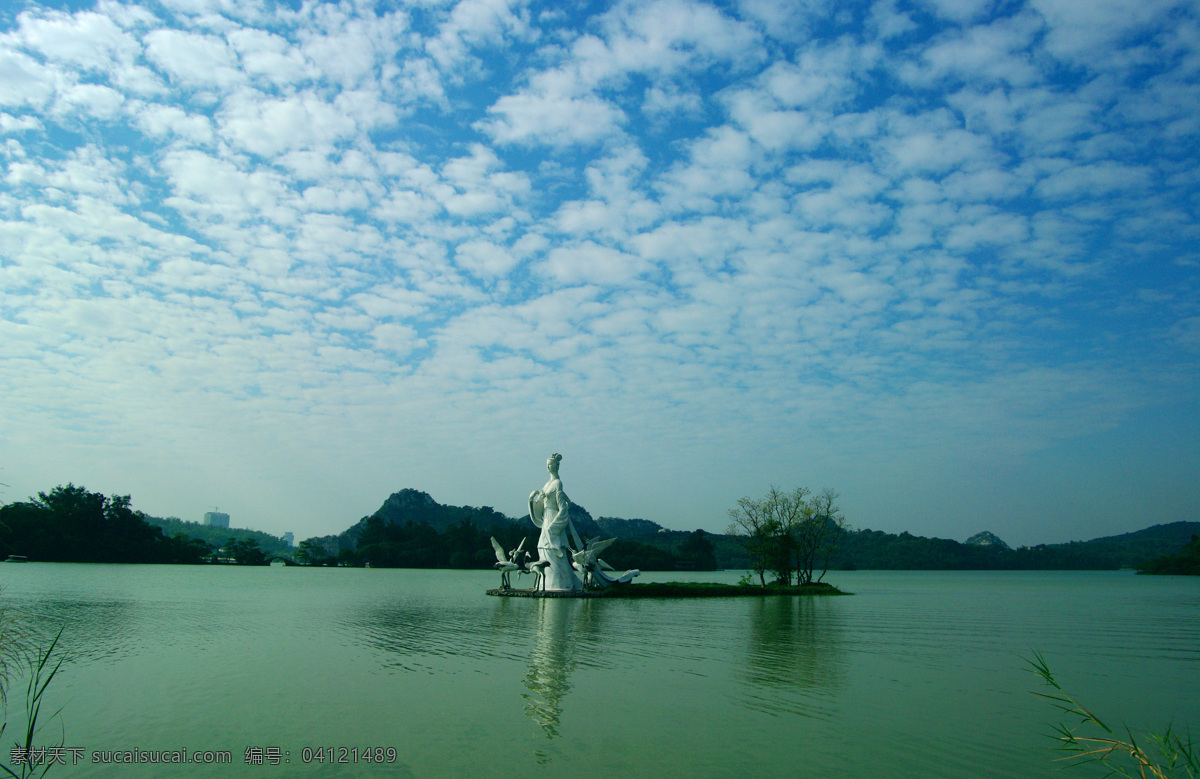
676, 590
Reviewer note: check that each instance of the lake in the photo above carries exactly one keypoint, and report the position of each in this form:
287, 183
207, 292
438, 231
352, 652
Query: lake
917, 674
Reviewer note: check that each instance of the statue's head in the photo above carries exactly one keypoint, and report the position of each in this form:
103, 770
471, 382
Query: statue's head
552, 462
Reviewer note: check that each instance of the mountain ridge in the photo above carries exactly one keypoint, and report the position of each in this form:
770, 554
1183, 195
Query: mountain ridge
864, 548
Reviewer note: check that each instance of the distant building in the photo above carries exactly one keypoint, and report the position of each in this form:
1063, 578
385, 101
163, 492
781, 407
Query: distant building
216, 519
289, 539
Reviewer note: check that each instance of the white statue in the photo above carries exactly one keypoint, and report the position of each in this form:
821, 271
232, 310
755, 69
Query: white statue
549, 509
557, 564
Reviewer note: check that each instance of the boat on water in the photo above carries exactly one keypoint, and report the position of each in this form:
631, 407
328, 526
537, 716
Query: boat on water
16, 558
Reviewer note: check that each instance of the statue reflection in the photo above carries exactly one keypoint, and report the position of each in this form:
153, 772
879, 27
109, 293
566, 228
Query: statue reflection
564, 628
795, 658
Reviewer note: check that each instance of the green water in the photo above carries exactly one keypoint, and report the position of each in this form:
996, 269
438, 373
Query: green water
917, 674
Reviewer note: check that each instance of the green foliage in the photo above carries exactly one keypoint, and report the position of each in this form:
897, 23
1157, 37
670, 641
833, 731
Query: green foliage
1169, 754
70, 524
383, 544
217, 537
13, 647
791, 535
1185, 562
245, 551
625, 554
40, 676
309, 552
697, 552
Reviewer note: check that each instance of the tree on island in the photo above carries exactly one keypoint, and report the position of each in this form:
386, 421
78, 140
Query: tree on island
788, 534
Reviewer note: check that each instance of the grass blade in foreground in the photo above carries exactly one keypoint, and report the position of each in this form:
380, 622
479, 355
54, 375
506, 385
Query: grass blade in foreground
1173, 755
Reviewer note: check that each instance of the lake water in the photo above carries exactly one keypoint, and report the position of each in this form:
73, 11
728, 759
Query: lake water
918, 674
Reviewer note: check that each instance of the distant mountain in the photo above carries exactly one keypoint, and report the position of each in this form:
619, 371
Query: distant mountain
986, 538
1129, 550
871, 549
414, 507
412, 529
875, 550
409, 506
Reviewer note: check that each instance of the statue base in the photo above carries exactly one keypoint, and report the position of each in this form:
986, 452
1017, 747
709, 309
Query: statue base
548, 593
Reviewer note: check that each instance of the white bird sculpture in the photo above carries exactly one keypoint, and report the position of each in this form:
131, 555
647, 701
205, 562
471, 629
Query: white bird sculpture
507, 563
538, 569
588, 557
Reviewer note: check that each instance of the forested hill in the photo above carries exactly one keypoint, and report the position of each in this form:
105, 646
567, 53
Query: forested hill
872, 549
411, 529
218, 536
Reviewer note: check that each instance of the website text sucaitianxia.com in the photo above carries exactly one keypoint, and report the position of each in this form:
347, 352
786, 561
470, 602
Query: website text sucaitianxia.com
61, 755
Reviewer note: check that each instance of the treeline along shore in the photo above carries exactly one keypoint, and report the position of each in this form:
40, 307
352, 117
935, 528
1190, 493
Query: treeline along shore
412, 530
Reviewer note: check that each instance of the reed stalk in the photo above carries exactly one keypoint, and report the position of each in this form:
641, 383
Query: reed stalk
1089, 740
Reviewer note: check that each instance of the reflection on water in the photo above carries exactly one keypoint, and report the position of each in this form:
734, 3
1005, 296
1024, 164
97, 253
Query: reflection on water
549, 664
796, 660
412, 636
566, 628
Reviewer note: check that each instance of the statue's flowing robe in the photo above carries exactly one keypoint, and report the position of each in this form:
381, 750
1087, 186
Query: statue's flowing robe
551, 513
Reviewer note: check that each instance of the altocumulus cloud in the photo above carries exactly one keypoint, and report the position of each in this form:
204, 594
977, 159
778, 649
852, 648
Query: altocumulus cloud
289, 258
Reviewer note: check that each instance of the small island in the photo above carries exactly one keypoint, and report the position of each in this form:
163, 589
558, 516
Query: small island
680, 590
785, 533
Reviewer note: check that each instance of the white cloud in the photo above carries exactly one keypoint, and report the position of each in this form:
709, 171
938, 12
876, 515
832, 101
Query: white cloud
552, 118
961, 10
215, 189
1088, 30
166, 121
887, 21
23, 80
590, 263
194, 60
914, 147
999, 51
1094, 180
484, 259
661, 102
87, 40
99, 102
664, 36
270, 126
16, 124
263, 53
350, 49
476, 24
719, 165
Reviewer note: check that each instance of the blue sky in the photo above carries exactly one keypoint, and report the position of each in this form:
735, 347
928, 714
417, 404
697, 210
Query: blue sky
286, 259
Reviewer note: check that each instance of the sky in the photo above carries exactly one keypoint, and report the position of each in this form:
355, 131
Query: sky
284, 259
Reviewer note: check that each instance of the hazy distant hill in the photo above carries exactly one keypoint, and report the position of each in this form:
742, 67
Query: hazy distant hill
871, 549
1127, 550
628, 528
987, 538
217, 536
